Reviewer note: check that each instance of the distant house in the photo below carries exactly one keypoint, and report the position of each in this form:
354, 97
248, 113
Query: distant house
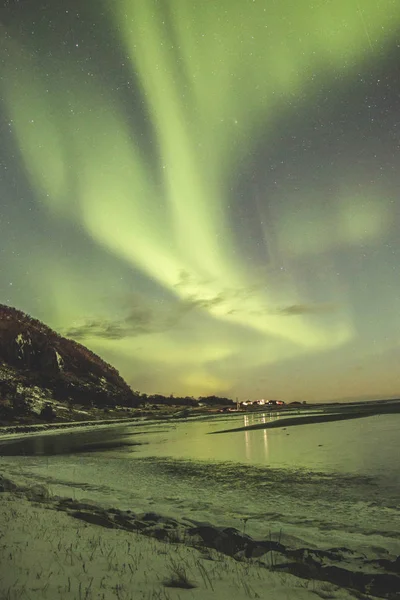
262, 402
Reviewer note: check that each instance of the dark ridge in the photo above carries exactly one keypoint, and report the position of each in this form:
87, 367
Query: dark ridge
37, 362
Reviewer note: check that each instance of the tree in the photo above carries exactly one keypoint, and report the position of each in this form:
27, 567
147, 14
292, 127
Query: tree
47, 413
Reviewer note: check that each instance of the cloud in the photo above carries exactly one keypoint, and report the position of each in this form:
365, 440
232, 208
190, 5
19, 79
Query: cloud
145, 317
205, 303
96, 328
188, 282
308, 309
141, 319
184, 279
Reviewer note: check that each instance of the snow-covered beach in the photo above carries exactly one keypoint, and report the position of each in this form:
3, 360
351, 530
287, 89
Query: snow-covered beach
138, 486
46, 554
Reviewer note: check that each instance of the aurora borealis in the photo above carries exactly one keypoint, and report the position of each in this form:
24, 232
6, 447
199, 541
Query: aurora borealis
206, 193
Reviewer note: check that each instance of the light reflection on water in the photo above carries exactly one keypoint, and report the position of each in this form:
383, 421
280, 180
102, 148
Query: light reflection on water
367, 446
364, 446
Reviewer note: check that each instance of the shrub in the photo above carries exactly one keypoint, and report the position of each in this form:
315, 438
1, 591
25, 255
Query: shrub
47, 413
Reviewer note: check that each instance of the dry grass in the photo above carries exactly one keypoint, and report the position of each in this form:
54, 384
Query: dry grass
178, 577
45, 554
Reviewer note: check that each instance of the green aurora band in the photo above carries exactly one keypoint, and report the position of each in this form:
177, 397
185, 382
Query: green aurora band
214, 75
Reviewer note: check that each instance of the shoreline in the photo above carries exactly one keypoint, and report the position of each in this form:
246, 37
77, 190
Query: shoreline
334, 568
329, 417
95, 420
39, 428
330, 412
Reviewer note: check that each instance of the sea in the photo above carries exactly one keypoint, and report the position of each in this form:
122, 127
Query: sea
320, 485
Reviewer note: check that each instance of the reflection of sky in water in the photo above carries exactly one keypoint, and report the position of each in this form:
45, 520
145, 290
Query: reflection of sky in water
69, 442
367, 445
363, 446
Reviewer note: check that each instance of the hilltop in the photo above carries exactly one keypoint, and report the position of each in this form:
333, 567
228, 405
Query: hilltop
38, 367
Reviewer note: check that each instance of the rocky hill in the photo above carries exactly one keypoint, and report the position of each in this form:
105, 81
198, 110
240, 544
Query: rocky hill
37, 364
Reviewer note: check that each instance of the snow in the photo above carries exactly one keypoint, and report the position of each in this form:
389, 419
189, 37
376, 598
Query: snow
46, 554
22, 341
60, 361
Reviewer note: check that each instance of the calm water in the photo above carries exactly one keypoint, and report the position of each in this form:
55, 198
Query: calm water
324, 484
366, 446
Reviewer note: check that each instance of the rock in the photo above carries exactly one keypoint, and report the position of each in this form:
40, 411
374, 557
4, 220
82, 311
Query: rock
125, 521
37, 492
94, 519
389, 565
273, 559
140, 525
6, 485
206, 532
160, 533
150, 516
230, 541
227, 540
255, 550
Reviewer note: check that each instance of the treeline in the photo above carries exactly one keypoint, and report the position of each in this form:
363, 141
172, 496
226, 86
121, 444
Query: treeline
159, 399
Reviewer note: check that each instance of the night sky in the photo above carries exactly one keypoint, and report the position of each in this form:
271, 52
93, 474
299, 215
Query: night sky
206, 193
